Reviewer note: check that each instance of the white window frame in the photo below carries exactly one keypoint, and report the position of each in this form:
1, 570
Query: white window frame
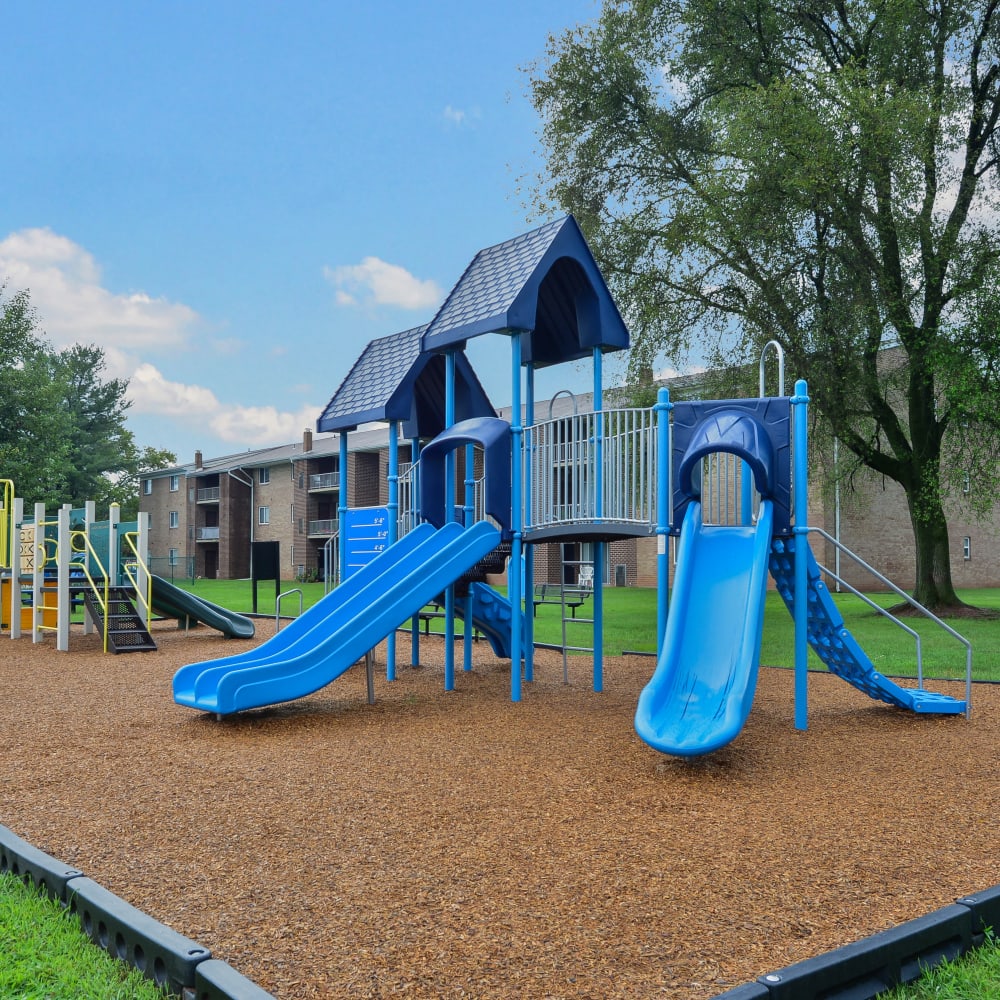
147, 487
264, 475
967, 547
263, 515
175, 483
174, 519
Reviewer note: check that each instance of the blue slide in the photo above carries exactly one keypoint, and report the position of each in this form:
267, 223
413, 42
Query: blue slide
335, 633
491, 614
701, 692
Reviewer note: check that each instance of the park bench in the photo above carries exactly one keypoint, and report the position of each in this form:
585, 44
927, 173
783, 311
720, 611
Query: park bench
563, 594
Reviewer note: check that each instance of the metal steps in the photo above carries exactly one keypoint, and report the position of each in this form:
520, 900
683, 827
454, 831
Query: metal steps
126, 631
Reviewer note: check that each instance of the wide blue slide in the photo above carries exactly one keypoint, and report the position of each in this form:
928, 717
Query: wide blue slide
701, 693
335, 633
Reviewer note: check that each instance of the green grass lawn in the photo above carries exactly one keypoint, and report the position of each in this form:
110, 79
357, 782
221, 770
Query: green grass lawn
630, 624
46, 955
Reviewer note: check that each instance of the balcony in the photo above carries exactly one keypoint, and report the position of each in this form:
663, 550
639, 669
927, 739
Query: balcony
324, 482
206, 534
208, 495
324, 528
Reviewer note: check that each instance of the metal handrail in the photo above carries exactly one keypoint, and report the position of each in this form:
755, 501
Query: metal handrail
7, 524
780, 352
913, 603
277, 606
89, 550
131, 539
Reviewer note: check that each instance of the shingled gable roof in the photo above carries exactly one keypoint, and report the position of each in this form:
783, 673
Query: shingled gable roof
545, 282
394, 380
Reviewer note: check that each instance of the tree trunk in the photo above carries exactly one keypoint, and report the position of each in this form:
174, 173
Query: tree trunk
932, 587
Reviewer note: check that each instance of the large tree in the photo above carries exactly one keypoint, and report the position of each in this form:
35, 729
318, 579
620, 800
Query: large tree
820, 173
63, 436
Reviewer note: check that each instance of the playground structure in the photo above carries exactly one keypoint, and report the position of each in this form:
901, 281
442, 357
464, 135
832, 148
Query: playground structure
50, 565
597, 476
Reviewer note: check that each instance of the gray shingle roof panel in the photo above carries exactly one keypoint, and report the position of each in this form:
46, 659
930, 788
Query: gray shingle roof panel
545, 282
370, 384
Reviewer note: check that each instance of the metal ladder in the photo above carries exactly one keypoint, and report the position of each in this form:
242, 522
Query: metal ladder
571, 619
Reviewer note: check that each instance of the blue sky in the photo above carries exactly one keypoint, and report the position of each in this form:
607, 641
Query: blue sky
232, 199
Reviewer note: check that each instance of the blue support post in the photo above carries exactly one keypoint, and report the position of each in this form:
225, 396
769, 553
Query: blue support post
599, 511
414, 493
393, 505
517, 508
663, 514
470, 517
449, 510
528, 582
342, 507
800, 406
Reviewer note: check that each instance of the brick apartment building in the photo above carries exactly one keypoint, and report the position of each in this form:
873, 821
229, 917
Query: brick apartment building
205, 514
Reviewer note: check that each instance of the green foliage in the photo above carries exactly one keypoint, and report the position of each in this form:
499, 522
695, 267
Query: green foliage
63, 436
825, 176
48, 957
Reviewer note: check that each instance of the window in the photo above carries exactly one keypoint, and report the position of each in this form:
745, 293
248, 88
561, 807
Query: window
967, 547
175, 519
264, 476
263, 515
147, 487
172, 557
966, 483
175, 483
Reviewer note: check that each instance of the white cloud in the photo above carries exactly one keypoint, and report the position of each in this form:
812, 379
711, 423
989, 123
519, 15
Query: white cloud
375, 281
65, 284
75, 308
199, 408
459, 116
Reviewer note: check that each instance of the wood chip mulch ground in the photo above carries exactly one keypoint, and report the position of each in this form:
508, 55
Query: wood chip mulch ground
458, 845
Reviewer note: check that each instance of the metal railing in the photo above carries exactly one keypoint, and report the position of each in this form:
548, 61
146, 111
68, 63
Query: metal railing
6, 523
100, 591
208, 495
324, 481
206, 534
840, 547
728, 495
131, 566
565, 459
324, 526
408, 514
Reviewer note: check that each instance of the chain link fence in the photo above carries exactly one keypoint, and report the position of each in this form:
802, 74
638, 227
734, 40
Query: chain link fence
172, 568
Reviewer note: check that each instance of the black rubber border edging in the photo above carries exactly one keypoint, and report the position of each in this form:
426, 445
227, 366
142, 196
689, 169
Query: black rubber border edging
169, 959
858, 971
866, 968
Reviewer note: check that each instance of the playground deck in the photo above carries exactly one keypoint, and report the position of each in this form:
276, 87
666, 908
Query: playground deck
456, 844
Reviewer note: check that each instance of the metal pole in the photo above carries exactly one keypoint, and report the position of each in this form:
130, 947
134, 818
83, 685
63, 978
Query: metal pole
342, 507
517, 500
449, 515
414, 494
390, 656
800, 403
599, 512
469, 520
663, 509
529, 550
